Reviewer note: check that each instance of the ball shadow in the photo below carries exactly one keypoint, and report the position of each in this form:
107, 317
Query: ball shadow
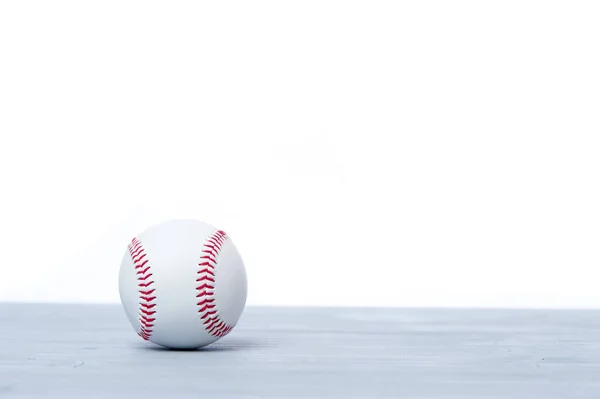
231, 345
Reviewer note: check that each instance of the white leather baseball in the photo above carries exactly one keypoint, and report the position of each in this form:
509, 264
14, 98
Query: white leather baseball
182, 284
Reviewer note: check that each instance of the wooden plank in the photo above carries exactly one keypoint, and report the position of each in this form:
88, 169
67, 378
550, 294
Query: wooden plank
91, 351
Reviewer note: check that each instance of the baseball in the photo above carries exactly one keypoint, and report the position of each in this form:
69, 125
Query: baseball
182, 284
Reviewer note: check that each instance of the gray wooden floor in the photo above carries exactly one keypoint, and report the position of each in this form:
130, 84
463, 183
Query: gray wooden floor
90, 351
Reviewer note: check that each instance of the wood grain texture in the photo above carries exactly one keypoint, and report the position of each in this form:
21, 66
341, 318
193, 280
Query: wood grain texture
90, 351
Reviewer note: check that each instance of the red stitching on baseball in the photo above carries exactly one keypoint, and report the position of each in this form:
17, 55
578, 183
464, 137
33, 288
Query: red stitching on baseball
206, 279
137, 253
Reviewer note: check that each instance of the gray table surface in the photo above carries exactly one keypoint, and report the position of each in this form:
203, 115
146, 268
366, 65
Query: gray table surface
91, 351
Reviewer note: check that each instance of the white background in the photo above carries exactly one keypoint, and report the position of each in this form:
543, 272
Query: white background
374, 153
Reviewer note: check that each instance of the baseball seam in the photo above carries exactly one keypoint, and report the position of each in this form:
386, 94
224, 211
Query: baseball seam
209, 314
145, 288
